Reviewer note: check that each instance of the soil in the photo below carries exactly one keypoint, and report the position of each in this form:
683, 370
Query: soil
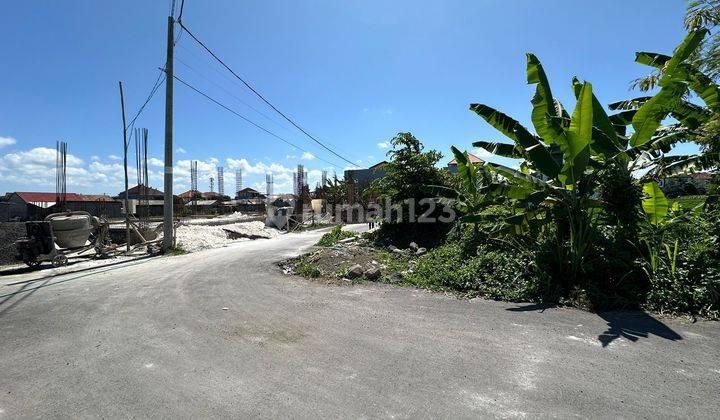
332, 263
9, 233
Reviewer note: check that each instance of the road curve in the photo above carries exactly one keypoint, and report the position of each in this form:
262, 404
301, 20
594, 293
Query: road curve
223, 333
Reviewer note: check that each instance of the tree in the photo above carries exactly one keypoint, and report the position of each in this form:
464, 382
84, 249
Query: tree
679, 79
560, 168
409, 172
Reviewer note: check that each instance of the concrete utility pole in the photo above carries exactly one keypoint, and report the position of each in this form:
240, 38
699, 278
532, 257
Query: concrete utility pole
125, 147
168, 202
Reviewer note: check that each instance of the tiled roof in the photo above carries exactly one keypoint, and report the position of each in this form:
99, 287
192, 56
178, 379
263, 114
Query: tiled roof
473, 159
46, 197
138, 189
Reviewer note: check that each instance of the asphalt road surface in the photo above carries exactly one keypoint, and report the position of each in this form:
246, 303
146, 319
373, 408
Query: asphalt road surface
223, 333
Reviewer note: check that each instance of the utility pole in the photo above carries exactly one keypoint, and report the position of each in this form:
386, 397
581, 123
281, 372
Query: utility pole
125, 150
168, 202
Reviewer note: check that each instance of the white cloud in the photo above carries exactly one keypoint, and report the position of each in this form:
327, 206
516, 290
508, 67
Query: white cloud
290, 157
307, 156
7, 141
114, 157
181, 150
384, 145
34, 169
257, 168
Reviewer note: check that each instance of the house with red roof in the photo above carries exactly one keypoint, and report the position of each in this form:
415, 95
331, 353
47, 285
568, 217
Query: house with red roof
452, 165
26, 205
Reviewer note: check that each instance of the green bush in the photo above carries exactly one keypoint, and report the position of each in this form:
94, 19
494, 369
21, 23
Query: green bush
495, 272
334, 236
307, 269
690, 282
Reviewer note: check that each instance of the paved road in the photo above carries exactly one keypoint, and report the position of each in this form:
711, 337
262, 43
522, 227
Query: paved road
151, 339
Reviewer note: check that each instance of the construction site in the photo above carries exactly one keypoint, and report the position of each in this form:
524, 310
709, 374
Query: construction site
35, 224
359, 209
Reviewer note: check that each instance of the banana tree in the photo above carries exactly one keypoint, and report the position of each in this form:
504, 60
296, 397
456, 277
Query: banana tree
563, 161
678, 79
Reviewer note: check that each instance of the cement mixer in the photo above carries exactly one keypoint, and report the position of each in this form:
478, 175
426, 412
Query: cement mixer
61, 236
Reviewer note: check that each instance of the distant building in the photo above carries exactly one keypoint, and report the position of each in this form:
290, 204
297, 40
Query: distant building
452, 165
249, 193
244, 205
693, 184
25, 206
155, 200
205, 206
210, 195
360, 179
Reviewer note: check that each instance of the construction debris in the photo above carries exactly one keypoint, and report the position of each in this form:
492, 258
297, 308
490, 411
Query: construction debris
196, 237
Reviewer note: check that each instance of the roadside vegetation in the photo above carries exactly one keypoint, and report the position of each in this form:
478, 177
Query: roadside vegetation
334, 236
581, 218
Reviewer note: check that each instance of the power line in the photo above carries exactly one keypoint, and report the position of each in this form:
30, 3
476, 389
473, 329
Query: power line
261, 96
182, 6
267, 117
246, 119
156, 86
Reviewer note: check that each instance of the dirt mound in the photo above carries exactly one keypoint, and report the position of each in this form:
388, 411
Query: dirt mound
9, 233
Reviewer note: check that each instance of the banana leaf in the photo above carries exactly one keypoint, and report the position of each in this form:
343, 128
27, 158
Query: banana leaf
543, 102
654, 204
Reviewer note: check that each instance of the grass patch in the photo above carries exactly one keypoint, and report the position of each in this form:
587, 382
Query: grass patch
307, 269
689, 202
176, 250
335, 236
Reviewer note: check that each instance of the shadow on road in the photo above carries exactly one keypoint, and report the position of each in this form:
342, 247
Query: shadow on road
25, 290
532, 307
631, 325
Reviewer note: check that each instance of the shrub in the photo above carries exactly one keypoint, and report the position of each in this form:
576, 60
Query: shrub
334, 236
688, 282
307, 269
495, 272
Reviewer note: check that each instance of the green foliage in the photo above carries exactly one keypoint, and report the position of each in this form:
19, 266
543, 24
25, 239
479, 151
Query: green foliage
176, 250
334, 236
621, 197
491, 272
654, 204
679, 76
410, 168
685, 273
409, 173
689, 202
307, 269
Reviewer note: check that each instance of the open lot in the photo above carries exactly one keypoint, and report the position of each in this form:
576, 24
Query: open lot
224, 333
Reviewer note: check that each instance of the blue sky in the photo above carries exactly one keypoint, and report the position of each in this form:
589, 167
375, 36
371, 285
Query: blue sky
353, 73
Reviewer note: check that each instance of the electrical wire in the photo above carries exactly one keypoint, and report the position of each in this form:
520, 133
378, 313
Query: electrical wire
259, 95
247, 119
158, 82
267, 117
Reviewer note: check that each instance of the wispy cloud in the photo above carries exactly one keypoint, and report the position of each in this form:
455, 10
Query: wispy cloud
383, 145
181, 150
7, 141
307, 156
113, 157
